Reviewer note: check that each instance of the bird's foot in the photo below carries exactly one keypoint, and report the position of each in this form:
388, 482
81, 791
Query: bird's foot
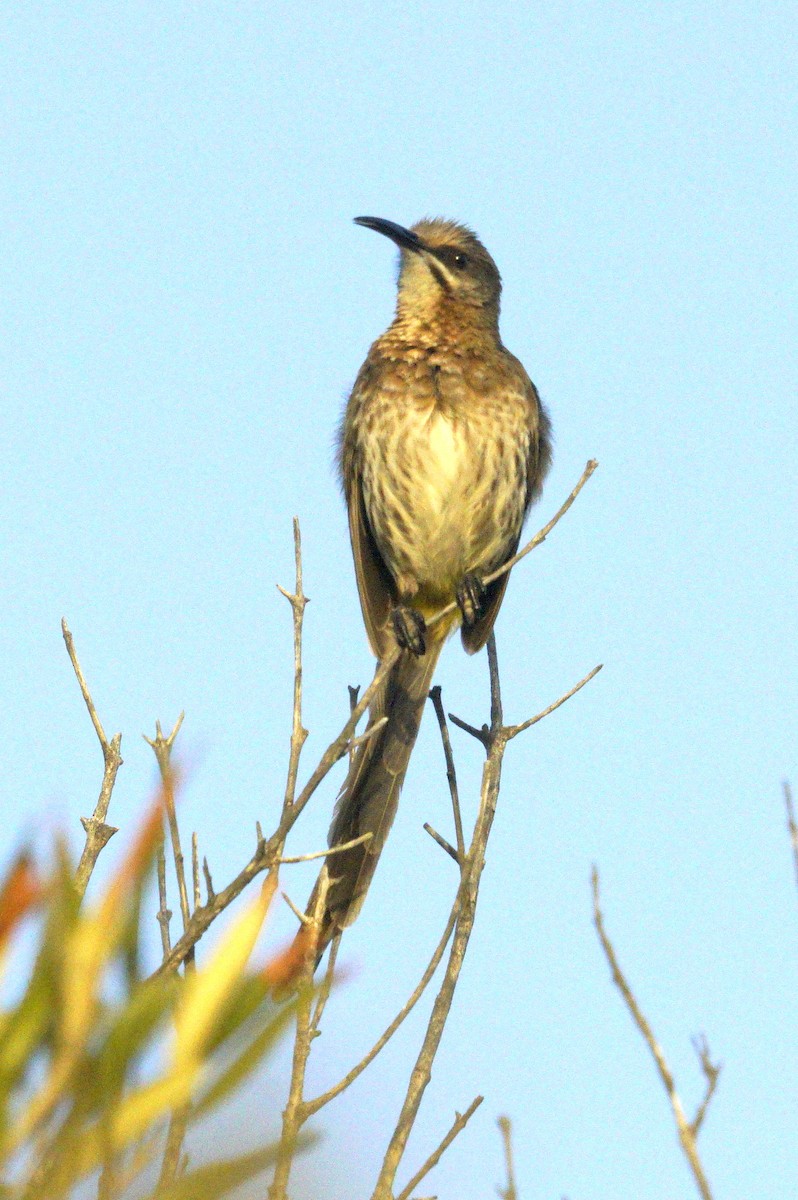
470, 596
410, 628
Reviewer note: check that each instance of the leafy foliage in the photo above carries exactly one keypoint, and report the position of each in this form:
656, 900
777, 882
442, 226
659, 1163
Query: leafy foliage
96, 1057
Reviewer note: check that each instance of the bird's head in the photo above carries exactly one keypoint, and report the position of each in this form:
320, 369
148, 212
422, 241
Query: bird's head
443, 264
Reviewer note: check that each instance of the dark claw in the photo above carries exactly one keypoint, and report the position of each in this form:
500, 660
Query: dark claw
409, 627
470, 595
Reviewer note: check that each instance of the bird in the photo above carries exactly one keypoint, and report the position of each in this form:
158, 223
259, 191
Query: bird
443, 448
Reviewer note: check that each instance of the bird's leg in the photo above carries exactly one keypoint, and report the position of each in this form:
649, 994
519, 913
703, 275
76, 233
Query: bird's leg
410, 628
470, 595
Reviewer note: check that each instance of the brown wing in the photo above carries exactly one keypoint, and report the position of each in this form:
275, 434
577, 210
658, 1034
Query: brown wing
537, 464
475, 637
374, 582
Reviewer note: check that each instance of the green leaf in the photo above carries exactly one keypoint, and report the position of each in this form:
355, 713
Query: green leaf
130, 1034
216, 1179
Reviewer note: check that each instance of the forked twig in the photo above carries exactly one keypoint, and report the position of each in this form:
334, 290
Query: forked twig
451, 776
269, 851
687, 1130
313, 1106
460, 1122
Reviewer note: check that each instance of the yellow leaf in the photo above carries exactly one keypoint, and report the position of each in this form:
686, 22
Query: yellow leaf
207, 990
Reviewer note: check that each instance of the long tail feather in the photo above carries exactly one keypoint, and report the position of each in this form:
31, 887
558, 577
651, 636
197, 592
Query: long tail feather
368, 800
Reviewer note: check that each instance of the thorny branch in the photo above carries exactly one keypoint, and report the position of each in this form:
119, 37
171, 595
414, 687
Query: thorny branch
687, 1130
98, 833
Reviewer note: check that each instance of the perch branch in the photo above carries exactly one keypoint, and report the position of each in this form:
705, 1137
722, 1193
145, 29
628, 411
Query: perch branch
539, 538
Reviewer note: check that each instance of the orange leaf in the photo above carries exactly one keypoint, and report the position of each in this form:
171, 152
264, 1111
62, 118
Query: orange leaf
281, 971
21, 890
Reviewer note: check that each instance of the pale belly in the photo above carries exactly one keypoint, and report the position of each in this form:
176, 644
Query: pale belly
444, 500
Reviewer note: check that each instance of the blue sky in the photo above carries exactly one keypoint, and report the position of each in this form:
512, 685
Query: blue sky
184, 303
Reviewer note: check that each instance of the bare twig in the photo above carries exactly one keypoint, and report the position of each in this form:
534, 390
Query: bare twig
303, 918
444, 845
791, 825
173, 1157
269, 851
463, 910
460, 1122
369, 733
98, 833
162, 748
686, 1130
509, 1192
173, 1160
513, 730
482, 735
330, 850
451, 774
495, 738
711, 1072
485, 736
164, 914
326, 987
539, 538
339, 746
313, 1106
195, 875
496, 714
293, 1114
298, 601
209, 892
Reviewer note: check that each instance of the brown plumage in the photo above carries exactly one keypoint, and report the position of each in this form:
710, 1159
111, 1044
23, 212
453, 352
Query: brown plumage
443, 448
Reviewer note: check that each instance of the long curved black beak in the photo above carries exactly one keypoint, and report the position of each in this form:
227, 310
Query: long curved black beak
397, 233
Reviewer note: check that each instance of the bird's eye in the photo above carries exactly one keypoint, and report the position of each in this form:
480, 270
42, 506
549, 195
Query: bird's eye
461, 261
